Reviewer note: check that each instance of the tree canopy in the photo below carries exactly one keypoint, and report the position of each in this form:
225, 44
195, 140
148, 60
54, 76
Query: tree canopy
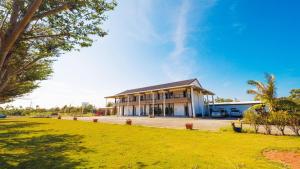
264, 92
295, 95
33, 33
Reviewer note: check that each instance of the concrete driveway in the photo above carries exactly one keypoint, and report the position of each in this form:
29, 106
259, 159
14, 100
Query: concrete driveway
163, 122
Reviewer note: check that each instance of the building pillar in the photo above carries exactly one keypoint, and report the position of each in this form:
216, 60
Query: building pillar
127, 105
153, 104
207, 105
203, 113
164, 103
139, 105
192, 102
213, 101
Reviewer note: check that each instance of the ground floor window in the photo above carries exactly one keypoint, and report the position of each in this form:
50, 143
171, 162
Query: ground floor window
133, 110
122, 110
186, 110
169, 109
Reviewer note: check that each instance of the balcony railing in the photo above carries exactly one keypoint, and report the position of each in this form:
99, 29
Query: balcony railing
168, 99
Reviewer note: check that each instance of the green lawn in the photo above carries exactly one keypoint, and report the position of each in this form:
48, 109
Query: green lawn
50, 143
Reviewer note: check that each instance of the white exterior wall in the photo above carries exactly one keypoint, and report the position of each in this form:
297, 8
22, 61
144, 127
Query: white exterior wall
190, 109
179, 109
198, 103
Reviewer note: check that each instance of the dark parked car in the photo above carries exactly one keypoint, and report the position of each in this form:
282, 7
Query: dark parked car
2, 116
218, 113
235, 113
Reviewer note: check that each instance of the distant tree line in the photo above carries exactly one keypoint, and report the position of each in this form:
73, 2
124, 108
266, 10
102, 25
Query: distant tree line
221, 100
43, 112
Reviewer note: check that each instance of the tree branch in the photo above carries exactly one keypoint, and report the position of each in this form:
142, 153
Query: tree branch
61, 8
45, 36
19, 28
28, 65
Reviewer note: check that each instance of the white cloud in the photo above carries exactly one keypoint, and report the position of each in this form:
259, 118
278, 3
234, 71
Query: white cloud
181, 62
141, 25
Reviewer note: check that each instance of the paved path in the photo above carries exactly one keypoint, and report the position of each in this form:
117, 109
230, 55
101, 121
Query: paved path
167, 122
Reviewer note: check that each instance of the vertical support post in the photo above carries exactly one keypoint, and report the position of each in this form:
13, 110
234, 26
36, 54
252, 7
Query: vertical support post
192, 102
164, 103
213, 101
153, 104
202, 96
207, 105
127, 105
139, 104
118, 107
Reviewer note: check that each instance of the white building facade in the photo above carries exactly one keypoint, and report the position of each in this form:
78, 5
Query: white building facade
178, 99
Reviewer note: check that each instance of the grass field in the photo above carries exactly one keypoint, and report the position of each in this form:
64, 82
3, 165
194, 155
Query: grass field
51, 143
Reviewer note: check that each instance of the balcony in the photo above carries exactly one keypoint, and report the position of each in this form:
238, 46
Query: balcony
179, 98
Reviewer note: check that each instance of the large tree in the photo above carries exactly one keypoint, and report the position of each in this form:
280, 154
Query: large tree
265, 92
34, 32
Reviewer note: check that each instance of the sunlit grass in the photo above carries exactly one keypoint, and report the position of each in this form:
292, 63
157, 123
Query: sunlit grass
51, 143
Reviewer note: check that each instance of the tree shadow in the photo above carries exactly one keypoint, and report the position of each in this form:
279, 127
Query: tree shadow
21, 150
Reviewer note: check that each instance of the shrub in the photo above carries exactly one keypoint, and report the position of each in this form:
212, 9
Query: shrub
279, 119
294, 122
286, 105
252, 118
266, 121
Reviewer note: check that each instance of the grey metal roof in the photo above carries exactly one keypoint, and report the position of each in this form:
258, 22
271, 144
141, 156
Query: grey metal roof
157, 87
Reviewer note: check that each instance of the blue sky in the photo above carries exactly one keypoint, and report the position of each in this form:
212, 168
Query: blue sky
223, 43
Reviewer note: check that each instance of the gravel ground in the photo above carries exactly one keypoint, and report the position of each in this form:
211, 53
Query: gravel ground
163, 122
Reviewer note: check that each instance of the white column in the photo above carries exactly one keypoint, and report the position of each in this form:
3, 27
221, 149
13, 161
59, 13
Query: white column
152, 103
164, 103
213, 101
127, 105
139, 105
203, 104
207, 105
192, 102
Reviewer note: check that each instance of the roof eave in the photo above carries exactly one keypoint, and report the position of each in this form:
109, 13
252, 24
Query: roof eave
205, 91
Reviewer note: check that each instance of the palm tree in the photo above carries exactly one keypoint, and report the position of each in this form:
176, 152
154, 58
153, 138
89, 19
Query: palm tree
266, 93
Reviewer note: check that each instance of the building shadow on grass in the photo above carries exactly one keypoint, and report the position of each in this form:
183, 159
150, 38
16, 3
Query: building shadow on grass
20, 149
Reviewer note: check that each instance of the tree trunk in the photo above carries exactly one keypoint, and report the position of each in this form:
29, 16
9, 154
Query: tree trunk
17, 30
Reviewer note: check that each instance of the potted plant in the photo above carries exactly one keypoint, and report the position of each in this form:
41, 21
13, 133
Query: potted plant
95, 120
74, 118
189, 126
128, 121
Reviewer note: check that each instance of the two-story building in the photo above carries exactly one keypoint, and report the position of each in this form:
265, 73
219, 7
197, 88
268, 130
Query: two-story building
182, 98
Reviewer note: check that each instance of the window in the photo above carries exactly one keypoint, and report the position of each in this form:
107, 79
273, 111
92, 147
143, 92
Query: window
184, 93
186, 110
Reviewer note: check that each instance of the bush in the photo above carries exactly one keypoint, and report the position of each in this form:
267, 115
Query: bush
294, 122
252, 118
279, 119
286, 105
